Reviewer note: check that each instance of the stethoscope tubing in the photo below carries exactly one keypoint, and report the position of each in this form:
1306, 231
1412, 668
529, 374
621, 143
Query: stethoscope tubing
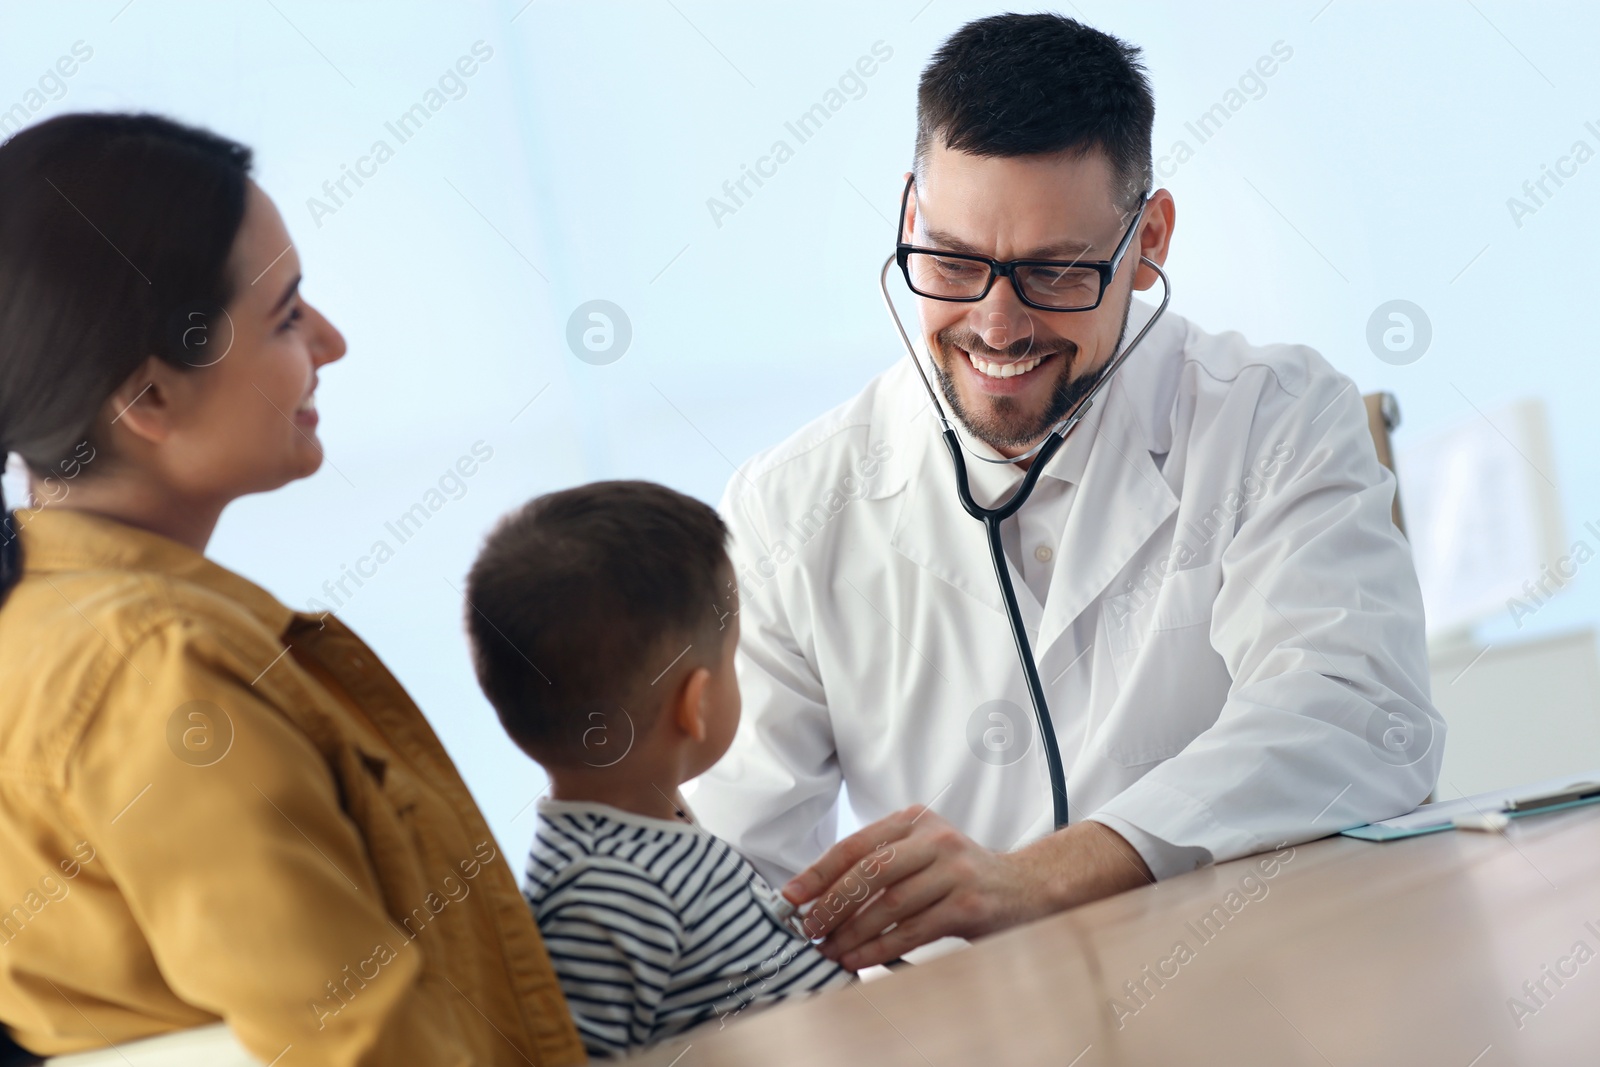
993, 517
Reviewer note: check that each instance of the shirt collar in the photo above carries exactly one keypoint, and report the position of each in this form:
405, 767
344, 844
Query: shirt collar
992, 482
56, 540
549, 807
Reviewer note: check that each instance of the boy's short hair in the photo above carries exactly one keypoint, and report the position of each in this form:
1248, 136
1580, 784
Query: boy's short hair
581, 600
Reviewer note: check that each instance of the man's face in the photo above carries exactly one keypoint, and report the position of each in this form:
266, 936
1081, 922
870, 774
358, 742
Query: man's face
1009, 371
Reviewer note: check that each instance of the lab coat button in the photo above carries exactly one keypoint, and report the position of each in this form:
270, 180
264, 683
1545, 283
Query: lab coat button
1043, 553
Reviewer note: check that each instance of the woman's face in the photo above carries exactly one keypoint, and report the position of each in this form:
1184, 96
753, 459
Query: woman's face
245, 420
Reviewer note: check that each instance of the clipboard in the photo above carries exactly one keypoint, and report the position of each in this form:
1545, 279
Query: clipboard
1556, 794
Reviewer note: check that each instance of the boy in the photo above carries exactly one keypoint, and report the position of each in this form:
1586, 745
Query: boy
603, 630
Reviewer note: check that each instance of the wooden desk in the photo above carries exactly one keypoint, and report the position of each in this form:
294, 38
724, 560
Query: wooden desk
1351, 953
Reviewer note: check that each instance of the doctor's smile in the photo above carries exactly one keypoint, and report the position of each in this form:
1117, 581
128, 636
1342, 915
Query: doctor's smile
995, 368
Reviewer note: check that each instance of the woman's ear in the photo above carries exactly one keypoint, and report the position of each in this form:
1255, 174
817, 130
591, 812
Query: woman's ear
689, 708
145, 404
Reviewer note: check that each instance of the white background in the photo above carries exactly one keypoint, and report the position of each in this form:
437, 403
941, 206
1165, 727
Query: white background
1375, 165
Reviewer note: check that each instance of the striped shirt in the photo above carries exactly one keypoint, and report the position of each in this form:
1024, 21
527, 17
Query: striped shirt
656, 926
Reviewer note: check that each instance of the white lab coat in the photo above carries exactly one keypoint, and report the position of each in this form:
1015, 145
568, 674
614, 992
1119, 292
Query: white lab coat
1231, 645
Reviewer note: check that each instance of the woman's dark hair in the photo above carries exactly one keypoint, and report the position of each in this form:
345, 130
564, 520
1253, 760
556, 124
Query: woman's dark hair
1027, 85
115, 232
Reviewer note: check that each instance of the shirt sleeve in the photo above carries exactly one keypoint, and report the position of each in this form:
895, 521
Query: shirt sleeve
241, 870
615, 939
774, 796
1328, 722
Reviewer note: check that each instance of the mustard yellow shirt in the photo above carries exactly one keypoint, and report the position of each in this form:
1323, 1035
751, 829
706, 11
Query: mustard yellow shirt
213, 807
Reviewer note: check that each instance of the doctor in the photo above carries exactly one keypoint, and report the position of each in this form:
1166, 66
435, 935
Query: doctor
1227, 624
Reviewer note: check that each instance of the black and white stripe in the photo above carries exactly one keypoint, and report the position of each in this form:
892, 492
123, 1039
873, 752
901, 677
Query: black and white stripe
656, 926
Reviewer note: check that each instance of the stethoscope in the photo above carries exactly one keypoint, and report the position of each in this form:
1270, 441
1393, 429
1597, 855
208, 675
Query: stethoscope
993, 517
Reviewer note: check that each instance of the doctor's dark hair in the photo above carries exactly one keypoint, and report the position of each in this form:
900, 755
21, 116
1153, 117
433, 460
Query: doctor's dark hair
582, 600
1028, 85
115, 232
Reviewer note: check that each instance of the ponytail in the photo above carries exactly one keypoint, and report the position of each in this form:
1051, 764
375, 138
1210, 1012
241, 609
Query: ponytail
10, 550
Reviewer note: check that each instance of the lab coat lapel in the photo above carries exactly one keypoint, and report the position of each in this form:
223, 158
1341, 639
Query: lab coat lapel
1122, 498
1121, 501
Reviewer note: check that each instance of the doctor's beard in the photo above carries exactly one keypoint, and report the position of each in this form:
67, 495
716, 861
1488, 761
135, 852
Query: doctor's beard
1002, 426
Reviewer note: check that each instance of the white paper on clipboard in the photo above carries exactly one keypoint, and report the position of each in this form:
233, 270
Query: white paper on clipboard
1439, 815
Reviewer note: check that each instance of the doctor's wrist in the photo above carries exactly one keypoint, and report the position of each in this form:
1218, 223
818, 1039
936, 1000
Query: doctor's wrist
1085, 862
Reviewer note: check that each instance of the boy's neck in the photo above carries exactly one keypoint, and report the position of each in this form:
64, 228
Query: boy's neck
639, 795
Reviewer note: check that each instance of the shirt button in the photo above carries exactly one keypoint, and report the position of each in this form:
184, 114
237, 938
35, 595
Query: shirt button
1043, 553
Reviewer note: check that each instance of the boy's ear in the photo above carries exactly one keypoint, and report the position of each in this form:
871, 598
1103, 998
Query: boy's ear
689, 709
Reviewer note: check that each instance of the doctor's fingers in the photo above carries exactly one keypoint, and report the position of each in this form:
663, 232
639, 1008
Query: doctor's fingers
865, 938
865, 852
862, 884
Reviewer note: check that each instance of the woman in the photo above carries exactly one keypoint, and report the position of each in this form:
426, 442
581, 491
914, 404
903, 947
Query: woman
211, 807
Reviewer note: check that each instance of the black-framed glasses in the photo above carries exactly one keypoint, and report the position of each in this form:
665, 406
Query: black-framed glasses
1046, 284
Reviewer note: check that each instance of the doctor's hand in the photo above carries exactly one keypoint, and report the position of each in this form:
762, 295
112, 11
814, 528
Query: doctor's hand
917, 873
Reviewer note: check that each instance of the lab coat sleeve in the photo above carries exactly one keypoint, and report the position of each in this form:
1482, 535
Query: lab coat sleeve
1163, 858
1328, 722
774, 795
